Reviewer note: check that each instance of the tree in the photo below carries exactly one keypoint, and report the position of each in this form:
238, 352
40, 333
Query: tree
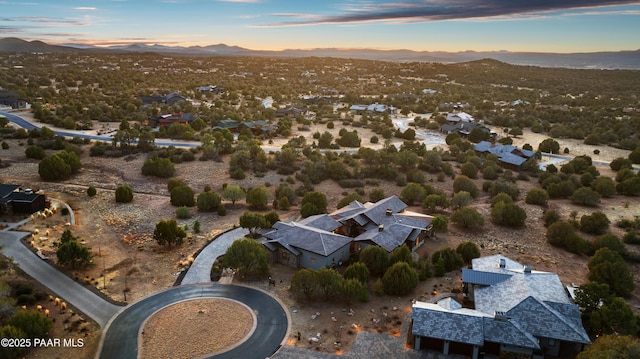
159, 167
401, 254
537, 196
399, 279
11, 332
433, 201
257, 198
440, 223
304, 283
376, 259
509, 215
452, 260
35, 152
233, 192
585, 196
604, 186
608, 241
358, 271
467, 217
54, 168
32, 323
461, 199
607, 266
73, 253
590, 296
354, 289
182, 196
208, 201
249, 257
595, 223
173, 183
253, 222
124, 194
317, 199
563, 234
329, 282
550, 146
412, 193
612, 347
468, 251
464, 183
615, 317
167, 232
469, 169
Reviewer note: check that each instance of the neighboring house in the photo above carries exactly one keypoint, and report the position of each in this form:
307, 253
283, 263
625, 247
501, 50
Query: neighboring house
464, 128
17, 200
290, 111
229, 124
166, 120
260, 127
308, 244
457, 117
509, 156
373, 108
210, 88
12, 99
518, 313
327, 240
170, 99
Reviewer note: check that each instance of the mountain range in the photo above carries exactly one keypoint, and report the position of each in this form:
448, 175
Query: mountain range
593, 60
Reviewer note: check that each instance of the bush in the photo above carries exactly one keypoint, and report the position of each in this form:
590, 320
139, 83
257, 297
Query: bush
585, 196
450, 258
124, 194
250, 257
564, 235
468, 251
168, 233
376, 259
91, 191
468, 218
537, 196
35, 152
509, 215
183, 212
464, 183
399, 279
608, 241
33, 323
54, 168
208, 201
550, 217
595, 223
174, 182
357, 270
182, 196
159, 167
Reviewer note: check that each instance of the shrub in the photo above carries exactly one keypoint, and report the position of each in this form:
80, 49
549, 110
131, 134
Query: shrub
451, 259
357, 270
464, 183
91, 191
608, 241
585, 196
54, 168
537, 196
468, 218
159, 167
595, 223
399, 279
124, 194
182, 196
168, 233
183, 212
468, 251
174, 182
550, 217
563, 235
35, 152
34, 324
509, 215
208, 201
376, 259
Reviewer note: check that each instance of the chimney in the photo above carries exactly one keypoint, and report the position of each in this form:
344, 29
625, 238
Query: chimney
501, 316
527, 269
389, 212
503, 263
381, 228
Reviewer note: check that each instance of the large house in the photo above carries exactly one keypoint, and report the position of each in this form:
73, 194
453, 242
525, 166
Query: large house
168, 119
169, 99
12, 99
327, 240
518, 313
509, 156
16, 200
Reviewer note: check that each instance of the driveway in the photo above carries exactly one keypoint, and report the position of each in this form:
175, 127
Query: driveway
200, 269
121, 338
64, 287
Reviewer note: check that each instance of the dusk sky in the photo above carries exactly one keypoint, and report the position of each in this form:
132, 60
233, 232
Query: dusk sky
429, 25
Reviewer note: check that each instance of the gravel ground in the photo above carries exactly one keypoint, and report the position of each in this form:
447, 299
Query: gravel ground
186, 329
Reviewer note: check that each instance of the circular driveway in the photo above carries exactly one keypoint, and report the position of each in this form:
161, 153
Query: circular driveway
121, 334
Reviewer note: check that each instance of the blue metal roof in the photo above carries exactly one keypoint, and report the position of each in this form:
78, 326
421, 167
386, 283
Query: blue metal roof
483, 278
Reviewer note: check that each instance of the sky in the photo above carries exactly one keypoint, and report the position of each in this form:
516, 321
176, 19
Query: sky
561, 26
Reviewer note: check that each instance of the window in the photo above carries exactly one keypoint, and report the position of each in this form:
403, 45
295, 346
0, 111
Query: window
313, 260
359, 247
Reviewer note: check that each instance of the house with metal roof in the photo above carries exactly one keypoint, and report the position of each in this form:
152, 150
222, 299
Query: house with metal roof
509, 156
456, 117
18, 200
524, 312
12, 99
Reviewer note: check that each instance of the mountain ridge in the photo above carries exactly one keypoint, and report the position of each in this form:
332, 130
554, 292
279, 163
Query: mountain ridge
627, 59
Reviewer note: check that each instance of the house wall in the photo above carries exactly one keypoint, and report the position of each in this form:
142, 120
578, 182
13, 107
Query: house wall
316, 261
550, 346
285, 257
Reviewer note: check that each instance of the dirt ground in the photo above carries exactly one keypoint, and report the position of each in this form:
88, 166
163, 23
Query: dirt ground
194, 320
129, 262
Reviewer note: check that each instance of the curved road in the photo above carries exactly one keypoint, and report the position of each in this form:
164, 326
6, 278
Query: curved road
121, 338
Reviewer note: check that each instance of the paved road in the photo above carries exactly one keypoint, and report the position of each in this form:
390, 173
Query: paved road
200, 270
66, 288
121, 335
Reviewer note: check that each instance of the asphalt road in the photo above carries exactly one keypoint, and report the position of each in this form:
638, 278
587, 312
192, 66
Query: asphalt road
121, 335
66, 288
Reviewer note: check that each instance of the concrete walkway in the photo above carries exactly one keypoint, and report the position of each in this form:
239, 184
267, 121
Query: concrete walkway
64, 287
200, 270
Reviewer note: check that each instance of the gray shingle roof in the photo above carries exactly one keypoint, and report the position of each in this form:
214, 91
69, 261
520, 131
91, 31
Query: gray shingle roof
508, 332
308, 238
321, 221
433, 321
541, 320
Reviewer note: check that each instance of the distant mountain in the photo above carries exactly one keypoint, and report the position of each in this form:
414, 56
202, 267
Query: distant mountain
594, 60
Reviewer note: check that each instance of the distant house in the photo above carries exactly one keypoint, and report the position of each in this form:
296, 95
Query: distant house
464, 128
210, 88
17, 200
166, 120
517, 313
259, 127
457, 117
290, 111
12, 99
373, 108
327, 240
509, 156
169, 99
228, 124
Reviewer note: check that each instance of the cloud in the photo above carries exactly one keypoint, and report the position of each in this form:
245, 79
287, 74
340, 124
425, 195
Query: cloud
441, 10
85, 8
49, 21
242, 1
